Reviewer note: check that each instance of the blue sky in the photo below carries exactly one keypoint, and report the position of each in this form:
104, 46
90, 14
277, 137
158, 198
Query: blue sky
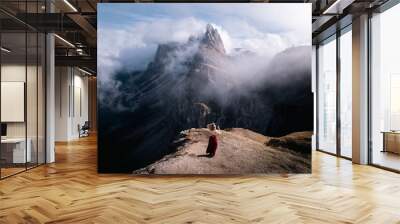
267, 17
129, 33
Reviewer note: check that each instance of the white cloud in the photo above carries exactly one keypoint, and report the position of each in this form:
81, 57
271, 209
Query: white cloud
134, 46
262, 29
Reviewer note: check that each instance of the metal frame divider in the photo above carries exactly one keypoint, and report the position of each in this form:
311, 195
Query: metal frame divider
316, 97
26, 86
369, 78
338, 100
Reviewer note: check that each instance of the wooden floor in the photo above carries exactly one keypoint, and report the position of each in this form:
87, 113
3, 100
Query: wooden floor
387, 159
71, 191
5, 172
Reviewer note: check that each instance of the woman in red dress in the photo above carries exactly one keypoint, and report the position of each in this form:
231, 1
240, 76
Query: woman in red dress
212, 141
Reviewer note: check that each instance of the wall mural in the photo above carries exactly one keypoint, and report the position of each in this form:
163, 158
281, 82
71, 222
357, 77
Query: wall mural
204, 88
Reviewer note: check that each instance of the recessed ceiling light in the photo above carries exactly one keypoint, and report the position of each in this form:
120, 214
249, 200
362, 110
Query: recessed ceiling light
5, 50
337, 7
64, 40
70, 5
84, 71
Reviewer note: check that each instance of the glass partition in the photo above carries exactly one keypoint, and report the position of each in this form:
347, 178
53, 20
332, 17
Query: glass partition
22, 77
327, 96
14, 153
385, 89
346, 93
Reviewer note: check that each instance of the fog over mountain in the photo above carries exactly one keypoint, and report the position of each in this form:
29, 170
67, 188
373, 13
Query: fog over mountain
187, 84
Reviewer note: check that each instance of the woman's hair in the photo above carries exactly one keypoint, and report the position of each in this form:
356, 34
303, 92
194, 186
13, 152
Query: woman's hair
212, 126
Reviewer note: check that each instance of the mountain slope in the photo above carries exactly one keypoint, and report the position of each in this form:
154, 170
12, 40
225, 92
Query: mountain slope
240, 151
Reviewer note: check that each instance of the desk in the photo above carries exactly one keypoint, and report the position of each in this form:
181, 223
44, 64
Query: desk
391, 141
15, 148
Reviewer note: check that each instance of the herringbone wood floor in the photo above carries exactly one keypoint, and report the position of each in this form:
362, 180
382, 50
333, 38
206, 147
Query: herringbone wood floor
71, 191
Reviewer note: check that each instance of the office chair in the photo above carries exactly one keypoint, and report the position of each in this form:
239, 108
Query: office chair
84, 130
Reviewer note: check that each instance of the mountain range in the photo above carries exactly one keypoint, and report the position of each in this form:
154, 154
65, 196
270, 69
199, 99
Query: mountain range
188, 85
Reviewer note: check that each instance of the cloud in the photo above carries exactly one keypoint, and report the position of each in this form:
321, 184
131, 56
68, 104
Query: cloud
132, 44
135, 45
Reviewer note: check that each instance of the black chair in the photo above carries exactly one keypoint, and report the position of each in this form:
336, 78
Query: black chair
84, 130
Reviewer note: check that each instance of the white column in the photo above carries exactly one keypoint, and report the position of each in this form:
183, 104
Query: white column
50, 92
360, 90
50, 99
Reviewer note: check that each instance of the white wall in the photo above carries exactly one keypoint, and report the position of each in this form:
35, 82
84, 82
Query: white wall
61, 103
13, 101
71, 102
10, 73
33, 126
80, 109
16, 73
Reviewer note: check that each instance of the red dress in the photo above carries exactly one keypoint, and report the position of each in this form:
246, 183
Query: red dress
212, 145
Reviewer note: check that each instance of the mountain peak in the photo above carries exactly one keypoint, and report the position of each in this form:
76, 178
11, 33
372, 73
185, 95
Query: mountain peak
212, 39
210, 28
